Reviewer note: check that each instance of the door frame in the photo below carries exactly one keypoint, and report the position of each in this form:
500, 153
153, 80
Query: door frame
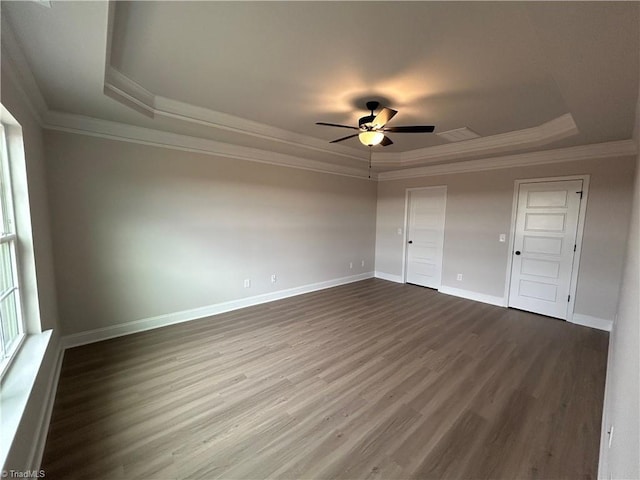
405, 252
575, 267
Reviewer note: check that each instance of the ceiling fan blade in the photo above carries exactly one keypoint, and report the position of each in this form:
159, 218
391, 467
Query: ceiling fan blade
383, 117
337, 125
386, 141
344, 138
411, 129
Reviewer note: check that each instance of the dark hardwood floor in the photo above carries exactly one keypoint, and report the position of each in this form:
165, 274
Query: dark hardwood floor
368, 380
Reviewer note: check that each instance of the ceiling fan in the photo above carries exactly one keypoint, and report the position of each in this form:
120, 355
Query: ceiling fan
372, 127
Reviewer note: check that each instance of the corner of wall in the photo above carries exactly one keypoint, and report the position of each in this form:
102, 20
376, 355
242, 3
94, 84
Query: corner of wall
620, 434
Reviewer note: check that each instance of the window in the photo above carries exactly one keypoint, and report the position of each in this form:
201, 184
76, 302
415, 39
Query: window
11, 322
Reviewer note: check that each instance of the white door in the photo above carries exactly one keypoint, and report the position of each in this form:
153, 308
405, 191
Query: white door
544, 246
425, 236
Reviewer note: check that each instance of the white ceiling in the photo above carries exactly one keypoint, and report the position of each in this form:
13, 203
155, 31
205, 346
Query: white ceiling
494, 67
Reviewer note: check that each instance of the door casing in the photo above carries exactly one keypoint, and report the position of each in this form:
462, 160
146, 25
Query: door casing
579, 233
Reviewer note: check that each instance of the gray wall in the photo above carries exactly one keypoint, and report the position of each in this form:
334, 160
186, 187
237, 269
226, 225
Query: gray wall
479, 209
141, 231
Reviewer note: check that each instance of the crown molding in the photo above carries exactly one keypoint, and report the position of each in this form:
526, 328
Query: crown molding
125, 90
120, 87
83, 125
556, 129
616, 149
17, 69
132, 94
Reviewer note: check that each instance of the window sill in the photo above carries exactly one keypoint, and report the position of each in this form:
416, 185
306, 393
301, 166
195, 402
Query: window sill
17, 385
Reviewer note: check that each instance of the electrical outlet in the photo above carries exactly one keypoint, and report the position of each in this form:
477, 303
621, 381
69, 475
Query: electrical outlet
399, 231
273, 278
459, 277
350, 265
247, 283
362, 263
502, 238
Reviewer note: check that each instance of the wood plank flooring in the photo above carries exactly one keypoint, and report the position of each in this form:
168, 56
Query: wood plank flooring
368, 380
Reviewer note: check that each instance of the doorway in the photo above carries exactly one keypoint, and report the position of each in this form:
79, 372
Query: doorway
549, 216
425, 235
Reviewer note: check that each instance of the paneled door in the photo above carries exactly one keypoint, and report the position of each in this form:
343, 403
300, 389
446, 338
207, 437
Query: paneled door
544, 246
425, 236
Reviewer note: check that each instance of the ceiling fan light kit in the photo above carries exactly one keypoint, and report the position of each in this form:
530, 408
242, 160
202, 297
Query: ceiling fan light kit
370, 137
372, 127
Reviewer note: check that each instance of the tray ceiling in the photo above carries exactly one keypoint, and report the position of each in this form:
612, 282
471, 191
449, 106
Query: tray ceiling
260, 74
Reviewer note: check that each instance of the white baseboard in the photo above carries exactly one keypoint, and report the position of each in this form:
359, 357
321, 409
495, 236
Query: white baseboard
578, 318
136, 326
40, 439
389, 276
469, 295
593, 322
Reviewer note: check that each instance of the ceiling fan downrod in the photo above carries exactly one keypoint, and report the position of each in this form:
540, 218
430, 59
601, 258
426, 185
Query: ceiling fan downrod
365, 122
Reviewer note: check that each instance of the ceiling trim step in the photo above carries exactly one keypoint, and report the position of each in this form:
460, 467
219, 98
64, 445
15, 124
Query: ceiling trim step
96, 127
538, 136
121, 88
130, 93
609, 150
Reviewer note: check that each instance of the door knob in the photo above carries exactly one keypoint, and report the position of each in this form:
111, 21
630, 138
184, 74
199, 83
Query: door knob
517, 252
410, 241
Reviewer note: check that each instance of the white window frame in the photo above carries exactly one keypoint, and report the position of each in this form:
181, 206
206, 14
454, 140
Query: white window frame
10, 237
